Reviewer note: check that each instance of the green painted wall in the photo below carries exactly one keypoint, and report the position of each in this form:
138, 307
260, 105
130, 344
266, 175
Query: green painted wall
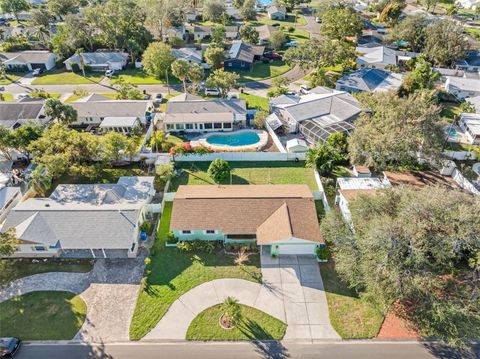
198, 235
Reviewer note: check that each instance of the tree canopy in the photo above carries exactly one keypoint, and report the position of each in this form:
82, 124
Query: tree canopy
412, 30
219, 170
59, 111
157, 59
445, 42
222, 80
340, 22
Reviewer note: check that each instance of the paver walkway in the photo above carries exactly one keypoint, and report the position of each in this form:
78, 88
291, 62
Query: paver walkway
298, 278
292, 291
110, 291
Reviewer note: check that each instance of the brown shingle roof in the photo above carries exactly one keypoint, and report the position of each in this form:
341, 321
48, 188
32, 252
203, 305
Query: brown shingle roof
264, 210
420, 179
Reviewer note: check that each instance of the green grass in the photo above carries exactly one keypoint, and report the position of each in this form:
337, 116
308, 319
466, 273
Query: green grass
299, 35
61, 76
254, 101
140, 77
11, 269
262, 71
77, 97
351, 316
7, 97
262, 19
174, 272
42, 316
254, 325
11, 77
455, 146
195, 173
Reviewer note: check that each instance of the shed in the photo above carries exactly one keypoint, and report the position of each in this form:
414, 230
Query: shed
296, 145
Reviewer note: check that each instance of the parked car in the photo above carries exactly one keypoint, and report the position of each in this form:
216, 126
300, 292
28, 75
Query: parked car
9, 346
158, 98
37, 72
291, 44
272, 55
318, 20
304, 89
2, 88
22, 95
276, 24
109, 73
212, 92
232, 96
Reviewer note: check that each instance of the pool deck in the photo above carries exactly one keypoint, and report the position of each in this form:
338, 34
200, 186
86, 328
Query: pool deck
201, 141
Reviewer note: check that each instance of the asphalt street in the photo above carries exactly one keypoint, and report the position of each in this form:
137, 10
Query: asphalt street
245, 350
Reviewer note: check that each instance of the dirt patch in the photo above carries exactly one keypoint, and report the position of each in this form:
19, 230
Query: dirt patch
394, 327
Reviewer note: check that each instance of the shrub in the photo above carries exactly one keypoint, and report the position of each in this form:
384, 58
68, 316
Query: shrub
147, 227
171, 239
219, 170
291, 29
322, 253
163, 174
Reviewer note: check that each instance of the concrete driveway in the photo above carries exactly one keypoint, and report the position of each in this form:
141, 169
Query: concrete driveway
298, 278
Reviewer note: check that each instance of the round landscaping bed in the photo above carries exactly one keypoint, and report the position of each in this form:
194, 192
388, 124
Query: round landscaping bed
43, 315
254, 325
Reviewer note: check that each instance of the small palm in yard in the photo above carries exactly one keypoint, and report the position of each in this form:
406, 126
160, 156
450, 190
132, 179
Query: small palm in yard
39, 181
232, 313
242, 257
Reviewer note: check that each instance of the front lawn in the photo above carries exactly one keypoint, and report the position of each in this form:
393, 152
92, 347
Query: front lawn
7, 97
11, 269
299, 35
254, 101
42, 316
351, 316
195, 173
262, 71
11, 77
140, 77
254, 325
78, 97
61, 77
174, 272
262, 19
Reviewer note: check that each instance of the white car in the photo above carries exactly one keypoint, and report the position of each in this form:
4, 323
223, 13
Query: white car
232, 96
109, 73
292, 44
318, 20
158, 98
212, 92
304, 89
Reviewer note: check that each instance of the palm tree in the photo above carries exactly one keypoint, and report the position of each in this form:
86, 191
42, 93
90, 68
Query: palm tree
39, 181
232, 312
42, 34
181, 69
79, 52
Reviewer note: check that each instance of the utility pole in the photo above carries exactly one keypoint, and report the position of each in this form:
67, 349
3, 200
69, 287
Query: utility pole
168, 86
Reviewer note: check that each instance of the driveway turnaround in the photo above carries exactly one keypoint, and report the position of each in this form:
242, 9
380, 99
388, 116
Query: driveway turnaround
292, 291
110, 291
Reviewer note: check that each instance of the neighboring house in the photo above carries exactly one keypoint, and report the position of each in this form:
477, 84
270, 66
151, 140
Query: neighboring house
174, 32
382, 57
361, 171
191, 15
9, 197
28, 60
317, 115
462, 87
276, 12
94, 109
370, 80
15, 114
242, 56
83, 221
264, 33
201, 32
470, 63
475, 102
98, 61
190, 54
193, 114
470, 124
468, 4
369, 41
281, 218
123, 125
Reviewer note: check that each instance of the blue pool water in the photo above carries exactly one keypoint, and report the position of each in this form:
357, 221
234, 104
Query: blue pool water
264, 2
241, 139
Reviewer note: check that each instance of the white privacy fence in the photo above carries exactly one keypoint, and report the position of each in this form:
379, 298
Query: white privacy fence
464, 183
241, 156
459, 155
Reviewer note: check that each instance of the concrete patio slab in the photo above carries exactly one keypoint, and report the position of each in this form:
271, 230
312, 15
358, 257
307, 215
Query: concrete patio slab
290, 273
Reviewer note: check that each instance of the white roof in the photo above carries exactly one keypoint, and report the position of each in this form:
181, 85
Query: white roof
295, 142
119, 122
472, 122
465, 84
273, 121
361, 183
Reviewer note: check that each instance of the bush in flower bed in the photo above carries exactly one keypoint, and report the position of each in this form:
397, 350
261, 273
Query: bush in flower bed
187, 148
198, 245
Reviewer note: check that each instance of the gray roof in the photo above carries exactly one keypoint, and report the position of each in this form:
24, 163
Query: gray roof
189, 54
265, 31
275, 8
19, 112
119, 122
371, 80
464, 84
377, 55
7, 193
208, 28
472, 58
98, 58
27, 57
83, 216
186, 97
244, 52
112, 108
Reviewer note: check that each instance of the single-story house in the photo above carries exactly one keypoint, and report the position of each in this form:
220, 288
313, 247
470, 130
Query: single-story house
470, 63
316, 115
468, 4
276, 12
281, 218
174, 32
371, 80
15, 114
9, 197
381, 57
470, 124
123, 125
83, 221
462, 87
200, 32
242, 56
369, 40
94, 109
264, 33
190, 54
28, 60
98, 61
193, 114
361, 171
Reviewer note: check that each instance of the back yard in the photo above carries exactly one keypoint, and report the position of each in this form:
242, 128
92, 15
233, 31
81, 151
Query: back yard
195, 173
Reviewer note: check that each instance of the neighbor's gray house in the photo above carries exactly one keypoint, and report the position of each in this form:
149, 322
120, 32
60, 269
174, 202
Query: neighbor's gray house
462, 87
9, 197
381, 57
316, 115
15, 114
94, 109
276, 12
281, 219
242, 56
83, 221
194, 114
470, 124
200, 32
28, 60
264, 33
470, 63
123, 125
370, 80
98, 61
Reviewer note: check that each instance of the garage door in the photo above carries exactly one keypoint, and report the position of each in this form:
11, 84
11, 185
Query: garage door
39, 66
296, 249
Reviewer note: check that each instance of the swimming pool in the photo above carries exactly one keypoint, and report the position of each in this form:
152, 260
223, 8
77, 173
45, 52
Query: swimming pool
264, 2
234, 140
452, 133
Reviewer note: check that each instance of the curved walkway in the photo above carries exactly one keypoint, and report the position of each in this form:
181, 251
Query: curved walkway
110, 291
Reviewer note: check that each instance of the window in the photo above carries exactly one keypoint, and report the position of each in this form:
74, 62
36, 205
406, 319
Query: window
186, 232
217, 125
208, 126
200, 126
227, 125
189, 126
170, 126
230, 64
210, 231
39, 248
180, 126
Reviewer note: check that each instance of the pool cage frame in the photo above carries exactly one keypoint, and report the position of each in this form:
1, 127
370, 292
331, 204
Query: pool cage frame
314, 132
